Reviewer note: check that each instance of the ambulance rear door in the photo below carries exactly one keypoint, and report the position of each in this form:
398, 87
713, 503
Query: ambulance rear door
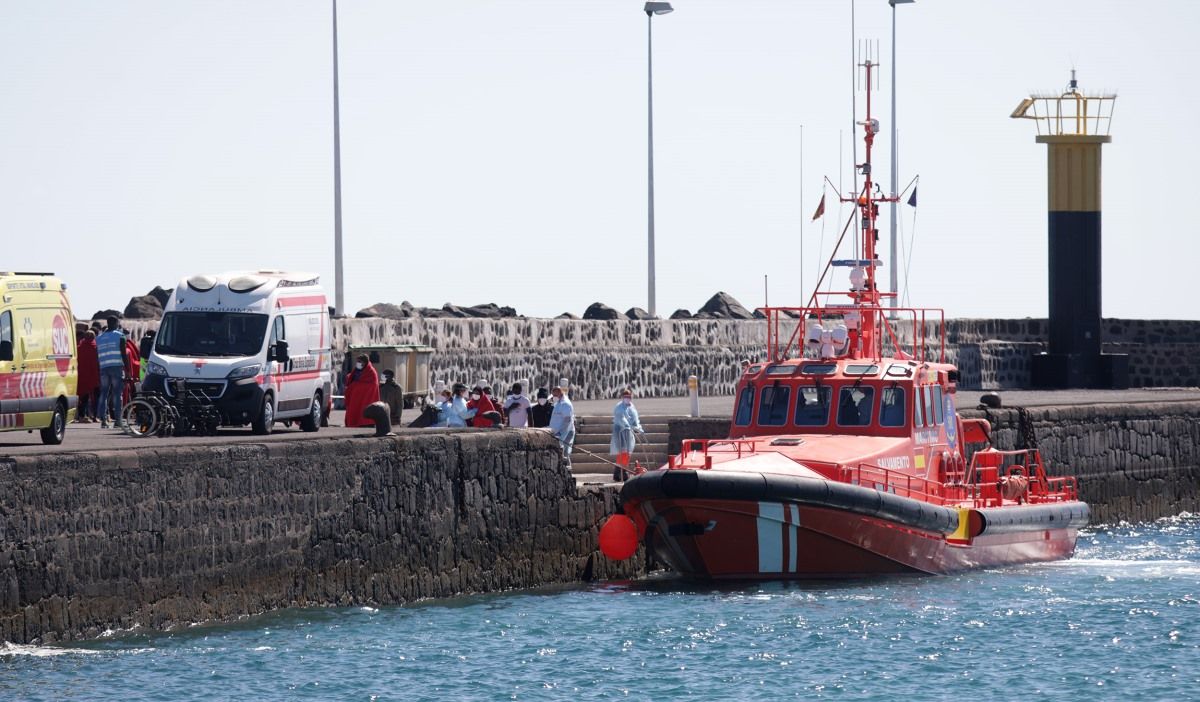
10, 374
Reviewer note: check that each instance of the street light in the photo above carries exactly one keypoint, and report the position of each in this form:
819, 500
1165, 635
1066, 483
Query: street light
652, 9
894, 278
339, 304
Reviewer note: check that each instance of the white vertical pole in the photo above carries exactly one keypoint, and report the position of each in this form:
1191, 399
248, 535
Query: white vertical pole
650, 157
338, 274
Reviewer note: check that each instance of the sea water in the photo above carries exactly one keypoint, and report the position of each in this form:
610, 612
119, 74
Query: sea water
1121, 620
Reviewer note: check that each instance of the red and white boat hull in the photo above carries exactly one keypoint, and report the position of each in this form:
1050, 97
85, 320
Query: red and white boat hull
714, 537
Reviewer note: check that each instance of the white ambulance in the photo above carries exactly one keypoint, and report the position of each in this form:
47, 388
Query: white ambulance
255, 344
37, 355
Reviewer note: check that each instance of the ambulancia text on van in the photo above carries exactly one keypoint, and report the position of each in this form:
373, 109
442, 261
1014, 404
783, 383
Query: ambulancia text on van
255, 344
37, 355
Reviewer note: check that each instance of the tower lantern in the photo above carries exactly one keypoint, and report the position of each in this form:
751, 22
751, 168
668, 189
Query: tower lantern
1073, 126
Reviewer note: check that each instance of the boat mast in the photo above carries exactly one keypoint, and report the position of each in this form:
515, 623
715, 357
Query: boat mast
863, 288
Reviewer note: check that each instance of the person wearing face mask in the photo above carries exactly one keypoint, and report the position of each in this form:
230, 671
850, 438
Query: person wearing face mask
459, 413
562, 422
540, 412
486, 414
391, 394
626, 426
362, 388
516, 405
444, 406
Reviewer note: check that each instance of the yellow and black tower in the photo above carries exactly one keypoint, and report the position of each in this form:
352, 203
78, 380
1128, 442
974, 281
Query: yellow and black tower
1073, 126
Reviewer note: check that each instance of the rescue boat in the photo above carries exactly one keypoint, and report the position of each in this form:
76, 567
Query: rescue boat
847, 456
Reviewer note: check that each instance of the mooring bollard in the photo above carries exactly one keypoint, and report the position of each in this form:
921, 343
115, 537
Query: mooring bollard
378, 412
694, 394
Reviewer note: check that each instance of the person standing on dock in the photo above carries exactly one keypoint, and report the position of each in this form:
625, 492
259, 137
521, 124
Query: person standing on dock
362, 389
562, 422
516, 406
391, 394
540, 412
111, 350
626, 426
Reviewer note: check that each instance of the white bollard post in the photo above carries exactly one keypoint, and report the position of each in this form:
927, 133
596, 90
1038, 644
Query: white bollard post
694, 394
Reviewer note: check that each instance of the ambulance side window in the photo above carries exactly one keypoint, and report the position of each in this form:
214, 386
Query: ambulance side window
277, 330
6, 336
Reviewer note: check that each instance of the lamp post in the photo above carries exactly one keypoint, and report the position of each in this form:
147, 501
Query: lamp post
895, 264
651, 9
339, 298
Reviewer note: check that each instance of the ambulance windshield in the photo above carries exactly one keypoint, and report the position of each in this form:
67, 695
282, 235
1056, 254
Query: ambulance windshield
211, 334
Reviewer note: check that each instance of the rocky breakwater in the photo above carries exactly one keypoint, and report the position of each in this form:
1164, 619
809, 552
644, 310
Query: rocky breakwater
159, 536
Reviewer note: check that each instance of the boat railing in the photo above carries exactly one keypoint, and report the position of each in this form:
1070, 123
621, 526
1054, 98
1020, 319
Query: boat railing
889, 333
1019, 475
896, 482
706, 448
992, 478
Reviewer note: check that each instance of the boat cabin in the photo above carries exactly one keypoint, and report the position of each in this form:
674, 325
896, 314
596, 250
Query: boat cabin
875, 397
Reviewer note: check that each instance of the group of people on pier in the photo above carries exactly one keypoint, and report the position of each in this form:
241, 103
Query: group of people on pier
551, 410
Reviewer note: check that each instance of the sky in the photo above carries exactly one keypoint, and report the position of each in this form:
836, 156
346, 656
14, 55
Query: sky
495, 151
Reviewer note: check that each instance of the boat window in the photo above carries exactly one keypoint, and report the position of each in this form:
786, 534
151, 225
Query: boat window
773, 405
918, 418
754, 369
899, 371
819, 368
891, 407
781, 370
860, 369
928, 392
745, 408
937, 404
812, 406
854, 406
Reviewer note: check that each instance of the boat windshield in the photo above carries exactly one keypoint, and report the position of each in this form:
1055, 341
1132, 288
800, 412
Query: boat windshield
854, 406
218, 334
773, 405
891, 407
745, 407
812, 406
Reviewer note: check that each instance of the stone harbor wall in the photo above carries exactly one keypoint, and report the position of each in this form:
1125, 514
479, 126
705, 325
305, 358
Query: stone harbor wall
160, 536
1134, 462
601, 357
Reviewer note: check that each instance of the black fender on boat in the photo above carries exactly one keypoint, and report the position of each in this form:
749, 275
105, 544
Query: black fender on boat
1007, 520
814, 492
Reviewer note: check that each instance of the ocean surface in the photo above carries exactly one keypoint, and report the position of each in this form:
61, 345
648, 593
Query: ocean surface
1119, 621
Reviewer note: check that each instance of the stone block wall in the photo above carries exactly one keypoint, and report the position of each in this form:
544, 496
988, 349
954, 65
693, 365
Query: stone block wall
159, 536
1134, 462
656, 356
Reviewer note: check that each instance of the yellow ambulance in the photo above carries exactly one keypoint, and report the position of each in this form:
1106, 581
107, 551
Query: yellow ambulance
37, 355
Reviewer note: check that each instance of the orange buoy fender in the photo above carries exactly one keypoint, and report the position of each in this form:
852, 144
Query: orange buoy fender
618, 537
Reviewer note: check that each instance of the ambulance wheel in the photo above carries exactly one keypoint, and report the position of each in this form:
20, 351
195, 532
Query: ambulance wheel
266, 417
312, 420
54, 433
